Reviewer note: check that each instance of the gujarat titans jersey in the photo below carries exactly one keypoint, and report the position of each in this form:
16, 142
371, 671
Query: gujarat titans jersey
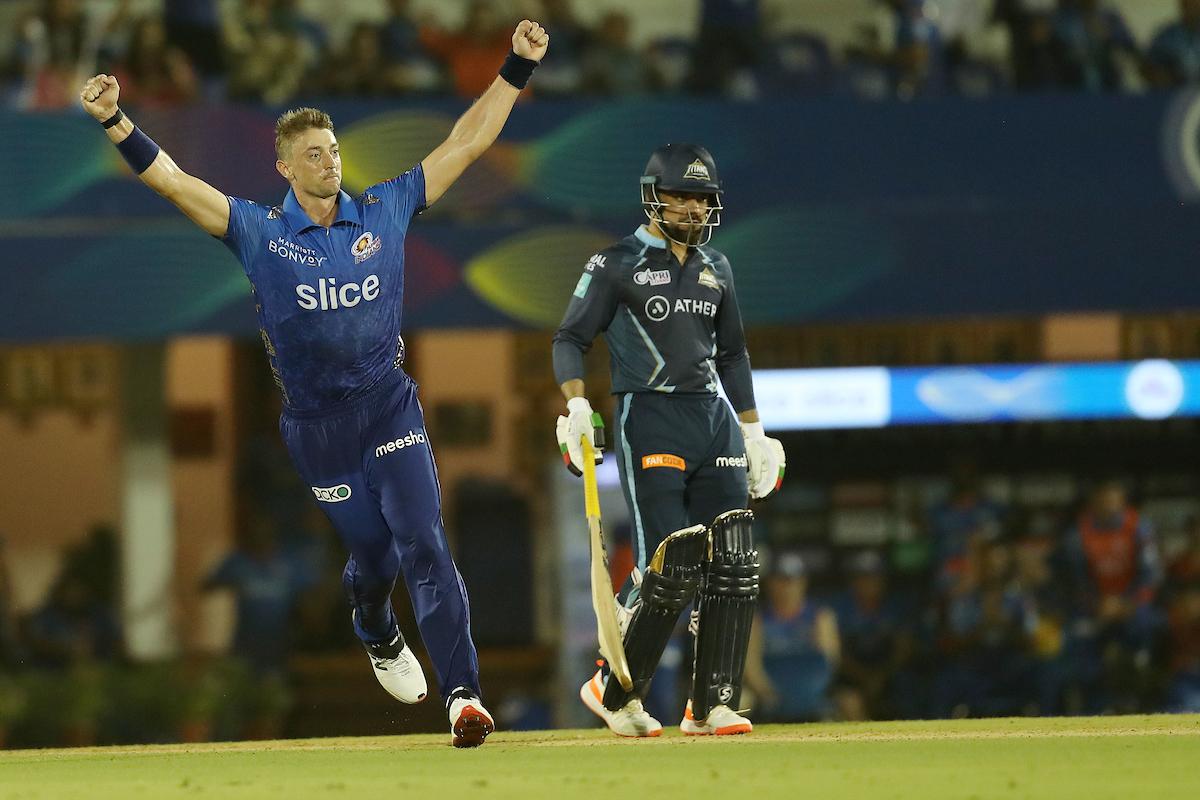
329, 300
671, 327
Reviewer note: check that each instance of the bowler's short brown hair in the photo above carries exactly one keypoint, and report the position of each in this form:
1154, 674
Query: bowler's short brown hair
295, 122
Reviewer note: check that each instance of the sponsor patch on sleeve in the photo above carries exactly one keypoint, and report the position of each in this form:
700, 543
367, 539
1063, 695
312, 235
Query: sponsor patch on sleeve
581, 288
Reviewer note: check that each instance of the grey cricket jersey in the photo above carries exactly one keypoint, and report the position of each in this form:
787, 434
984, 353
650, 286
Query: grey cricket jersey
670, 328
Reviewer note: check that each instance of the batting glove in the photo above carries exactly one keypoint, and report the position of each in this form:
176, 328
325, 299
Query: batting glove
580, 421
765, 460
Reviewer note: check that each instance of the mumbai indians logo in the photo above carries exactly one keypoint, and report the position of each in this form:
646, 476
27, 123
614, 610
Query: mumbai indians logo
334, 494
697, 171
365, 246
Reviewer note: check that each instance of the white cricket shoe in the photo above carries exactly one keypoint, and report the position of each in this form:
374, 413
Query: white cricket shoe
629, 720
470, 722
721, 721
398, 671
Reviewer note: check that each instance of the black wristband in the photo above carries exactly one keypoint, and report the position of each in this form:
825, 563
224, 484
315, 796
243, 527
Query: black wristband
517, 70
115, 119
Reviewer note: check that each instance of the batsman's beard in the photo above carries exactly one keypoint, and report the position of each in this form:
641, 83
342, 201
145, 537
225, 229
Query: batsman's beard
689, 233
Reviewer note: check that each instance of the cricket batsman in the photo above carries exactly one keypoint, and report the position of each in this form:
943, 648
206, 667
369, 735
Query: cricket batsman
666, 303
327, 273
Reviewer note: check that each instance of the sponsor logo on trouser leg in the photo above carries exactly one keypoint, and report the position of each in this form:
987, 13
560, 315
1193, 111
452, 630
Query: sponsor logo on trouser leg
332, 494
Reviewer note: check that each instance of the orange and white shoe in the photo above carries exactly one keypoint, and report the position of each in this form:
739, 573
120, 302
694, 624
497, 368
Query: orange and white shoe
630, 720
721, 721
470, 722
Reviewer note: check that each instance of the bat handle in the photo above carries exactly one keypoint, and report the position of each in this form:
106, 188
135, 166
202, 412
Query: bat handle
598, 430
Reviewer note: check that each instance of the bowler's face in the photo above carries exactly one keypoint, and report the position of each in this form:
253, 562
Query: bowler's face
315, 162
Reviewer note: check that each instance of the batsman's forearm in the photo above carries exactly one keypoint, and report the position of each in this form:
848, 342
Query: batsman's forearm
572, 388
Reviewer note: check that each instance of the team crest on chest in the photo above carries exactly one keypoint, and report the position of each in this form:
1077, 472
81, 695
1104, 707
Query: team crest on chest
708, 279
365, 246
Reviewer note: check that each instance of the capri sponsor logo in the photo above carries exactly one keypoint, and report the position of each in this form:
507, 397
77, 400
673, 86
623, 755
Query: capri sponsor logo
731, 461
329, 295
365, 246
408, 440
654, 277
332, 494
655, 460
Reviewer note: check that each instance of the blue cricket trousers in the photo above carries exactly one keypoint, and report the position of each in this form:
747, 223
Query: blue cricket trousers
371, 467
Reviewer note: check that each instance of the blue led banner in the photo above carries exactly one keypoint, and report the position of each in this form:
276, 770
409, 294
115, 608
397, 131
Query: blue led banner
874, 397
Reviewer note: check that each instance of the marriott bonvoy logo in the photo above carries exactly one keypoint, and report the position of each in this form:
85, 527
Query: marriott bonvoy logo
408, 440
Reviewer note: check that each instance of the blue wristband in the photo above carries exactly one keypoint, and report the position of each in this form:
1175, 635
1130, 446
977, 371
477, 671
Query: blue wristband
139, 150
517, 70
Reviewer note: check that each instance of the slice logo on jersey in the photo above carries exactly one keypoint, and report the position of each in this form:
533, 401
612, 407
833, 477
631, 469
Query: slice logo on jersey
595, 262
332, 494
291, 251
329, 295
656, 460
407, 440
365, 246
708, 279
657, 308
731, 461
585, 280
654, 277
696, 171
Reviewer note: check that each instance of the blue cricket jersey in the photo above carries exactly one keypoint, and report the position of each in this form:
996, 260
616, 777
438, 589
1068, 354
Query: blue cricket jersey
329, 300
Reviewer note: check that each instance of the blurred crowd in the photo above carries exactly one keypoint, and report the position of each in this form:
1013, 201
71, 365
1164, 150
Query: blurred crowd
1007, 613
989, 610
273, 52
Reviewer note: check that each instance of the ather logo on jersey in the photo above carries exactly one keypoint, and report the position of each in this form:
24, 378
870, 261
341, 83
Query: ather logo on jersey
332, 494
408, 440
685, 305
328, 294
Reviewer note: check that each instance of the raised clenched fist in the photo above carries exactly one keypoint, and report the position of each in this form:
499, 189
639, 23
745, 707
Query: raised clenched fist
99, 96
530, 40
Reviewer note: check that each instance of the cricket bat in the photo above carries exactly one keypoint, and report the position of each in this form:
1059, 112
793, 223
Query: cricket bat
607, 630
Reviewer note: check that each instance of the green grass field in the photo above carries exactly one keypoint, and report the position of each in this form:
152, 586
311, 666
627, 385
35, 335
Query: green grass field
1119, 757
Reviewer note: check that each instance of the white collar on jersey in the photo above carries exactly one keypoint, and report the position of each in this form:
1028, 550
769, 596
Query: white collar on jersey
647, 238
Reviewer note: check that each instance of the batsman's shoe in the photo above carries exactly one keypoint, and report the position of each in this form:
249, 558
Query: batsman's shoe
470, 722
721, 721
398, 671
629, 720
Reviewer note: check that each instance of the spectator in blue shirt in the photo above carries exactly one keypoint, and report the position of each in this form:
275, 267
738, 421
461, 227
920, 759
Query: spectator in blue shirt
1174, 56
267, 583
1087, 42
794, 648
875, 638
